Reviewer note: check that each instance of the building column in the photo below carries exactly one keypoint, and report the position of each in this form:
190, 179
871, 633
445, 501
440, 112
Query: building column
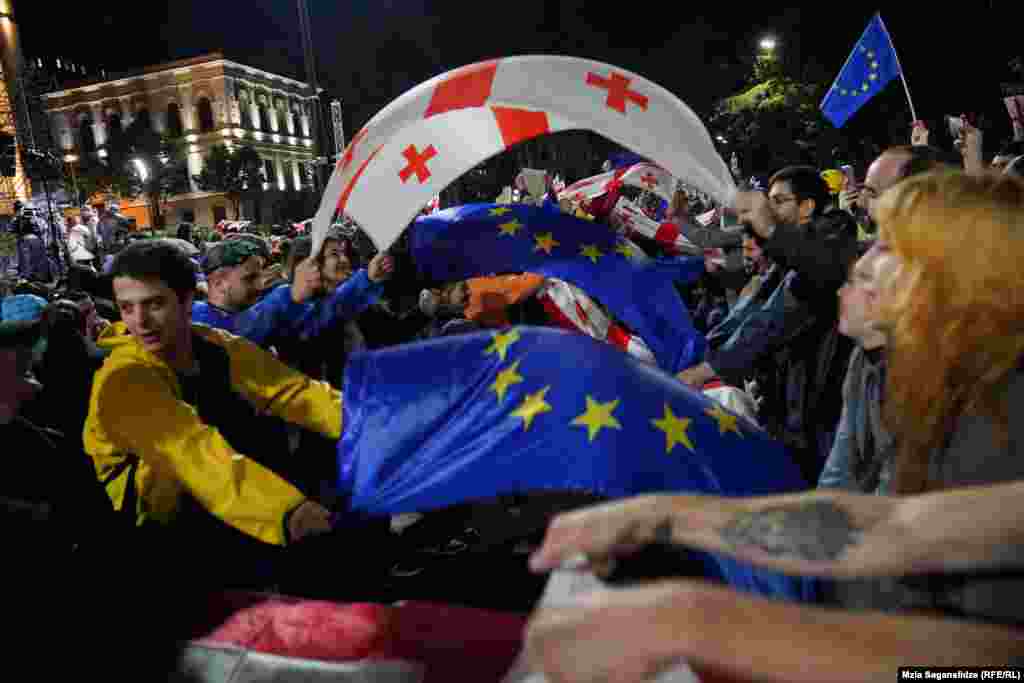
272, 114
297, 174
188, 119
127, 115
99, 125
255, 113
289, 116
195, 166
279, 172
60, 123
233, 113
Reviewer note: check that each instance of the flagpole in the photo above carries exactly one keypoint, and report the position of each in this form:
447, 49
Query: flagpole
906, 88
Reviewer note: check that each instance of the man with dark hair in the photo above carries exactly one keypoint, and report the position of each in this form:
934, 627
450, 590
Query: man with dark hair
171, 401
789, 339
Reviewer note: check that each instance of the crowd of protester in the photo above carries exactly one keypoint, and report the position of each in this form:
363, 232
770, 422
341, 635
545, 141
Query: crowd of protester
875, 328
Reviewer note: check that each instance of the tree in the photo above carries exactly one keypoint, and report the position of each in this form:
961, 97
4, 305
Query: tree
774, 120
235, 173
139, 161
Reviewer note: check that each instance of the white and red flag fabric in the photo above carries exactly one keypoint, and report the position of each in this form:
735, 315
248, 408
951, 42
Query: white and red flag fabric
570, 308
631, 220
439, 130
645, 176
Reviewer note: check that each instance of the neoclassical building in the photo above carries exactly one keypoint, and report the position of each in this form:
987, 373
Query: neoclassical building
206, 100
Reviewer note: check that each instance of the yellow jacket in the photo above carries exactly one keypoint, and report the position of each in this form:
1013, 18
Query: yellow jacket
136, 407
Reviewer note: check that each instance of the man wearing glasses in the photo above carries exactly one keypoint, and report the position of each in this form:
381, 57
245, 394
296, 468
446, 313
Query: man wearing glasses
788, 339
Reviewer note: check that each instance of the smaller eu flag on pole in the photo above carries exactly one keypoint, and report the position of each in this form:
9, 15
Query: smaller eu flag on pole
869, 68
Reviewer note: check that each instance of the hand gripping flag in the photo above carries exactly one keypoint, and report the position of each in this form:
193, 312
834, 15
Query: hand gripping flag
645, 176
631, 220
533, 409
481, 239
434, 133
869, 68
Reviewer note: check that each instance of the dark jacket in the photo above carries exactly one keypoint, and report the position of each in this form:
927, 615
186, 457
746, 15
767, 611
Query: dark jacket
789, 341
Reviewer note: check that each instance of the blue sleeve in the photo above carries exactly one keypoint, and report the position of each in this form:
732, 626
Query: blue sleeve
347, 301
761, 331
268, 317
836, 474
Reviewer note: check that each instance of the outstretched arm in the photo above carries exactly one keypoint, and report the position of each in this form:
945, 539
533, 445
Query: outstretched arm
818, 534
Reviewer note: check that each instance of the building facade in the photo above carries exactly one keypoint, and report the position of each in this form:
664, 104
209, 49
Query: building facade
205, 101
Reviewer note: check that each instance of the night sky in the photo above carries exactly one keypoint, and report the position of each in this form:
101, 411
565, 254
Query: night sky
370, 51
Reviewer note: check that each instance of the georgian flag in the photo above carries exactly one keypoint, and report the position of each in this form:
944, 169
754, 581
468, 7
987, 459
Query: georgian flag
630, 219
439, 130
645, 176
571, 308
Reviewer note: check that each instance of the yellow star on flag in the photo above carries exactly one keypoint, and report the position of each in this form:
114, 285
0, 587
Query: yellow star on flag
873, 77
510, 228
625, 250
591, 252
502, 342
727, 422
500, 211
864, 87
532, 406
675, 430
505, 379
545, 242
597, 415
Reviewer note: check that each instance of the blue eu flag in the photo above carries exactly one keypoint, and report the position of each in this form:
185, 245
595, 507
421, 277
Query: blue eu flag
527, 409
484, 239
868, 69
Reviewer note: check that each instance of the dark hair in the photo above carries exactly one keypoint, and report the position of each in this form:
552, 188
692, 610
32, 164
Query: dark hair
335, 235
1012, 149
157, 260
807, 183
301, 248
924, 158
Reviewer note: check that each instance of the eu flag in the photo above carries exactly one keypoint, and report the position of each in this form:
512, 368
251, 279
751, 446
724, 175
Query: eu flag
530, 409
868, 69
484, 239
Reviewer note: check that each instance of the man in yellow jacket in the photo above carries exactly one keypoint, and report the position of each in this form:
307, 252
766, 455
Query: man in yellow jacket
162, 404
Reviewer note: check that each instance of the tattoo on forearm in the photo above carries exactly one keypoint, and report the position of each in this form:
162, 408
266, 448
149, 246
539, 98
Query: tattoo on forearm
819, 530
663, 532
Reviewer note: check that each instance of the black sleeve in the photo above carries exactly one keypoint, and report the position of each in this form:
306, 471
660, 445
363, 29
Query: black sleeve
822, 254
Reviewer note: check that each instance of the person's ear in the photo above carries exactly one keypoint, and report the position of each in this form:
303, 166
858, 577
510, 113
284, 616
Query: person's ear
807, 208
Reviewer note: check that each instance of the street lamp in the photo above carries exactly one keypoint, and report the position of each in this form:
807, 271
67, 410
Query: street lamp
768, 43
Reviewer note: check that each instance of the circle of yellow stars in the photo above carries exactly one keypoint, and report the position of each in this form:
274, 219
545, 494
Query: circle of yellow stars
597, 415
873, 65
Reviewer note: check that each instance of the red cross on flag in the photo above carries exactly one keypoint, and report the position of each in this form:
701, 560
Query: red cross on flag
439, 130
645, 176
629, 218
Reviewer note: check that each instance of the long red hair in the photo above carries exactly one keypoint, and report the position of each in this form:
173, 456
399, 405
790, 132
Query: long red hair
954, 310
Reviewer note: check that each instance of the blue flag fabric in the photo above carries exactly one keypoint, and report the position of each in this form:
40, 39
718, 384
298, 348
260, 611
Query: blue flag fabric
529, 409
869, 68
485, 239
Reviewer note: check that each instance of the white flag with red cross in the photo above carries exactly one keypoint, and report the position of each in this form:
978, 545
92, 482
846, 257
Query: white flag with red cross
645, 176
630, 219
439, 130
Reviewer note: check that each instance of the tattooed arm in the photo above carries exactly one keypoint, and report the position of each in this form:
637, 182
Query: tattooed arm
820, 533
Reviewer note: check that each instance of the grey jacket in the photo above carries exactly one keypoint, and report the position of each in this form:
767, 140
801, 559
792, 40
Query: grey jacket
972, 457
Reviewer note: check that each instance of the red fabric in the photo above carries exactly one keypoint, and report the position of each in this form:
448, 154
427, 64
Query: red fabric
453, 643
618, 337
556, 316
517, 125
667, 235
469, 87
